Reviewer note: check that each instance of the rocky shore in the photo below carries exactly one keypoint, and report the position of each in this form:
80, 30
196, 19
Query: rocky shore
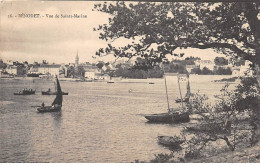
247, 155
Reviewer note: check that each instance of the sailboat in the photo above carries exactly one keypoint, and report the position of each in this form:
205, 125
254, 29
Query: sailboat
187, 95
56, 104
49, 92
173, 115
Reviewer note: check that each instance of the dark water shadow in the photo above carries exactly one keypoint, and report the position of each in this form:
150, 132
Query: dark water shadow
57, 118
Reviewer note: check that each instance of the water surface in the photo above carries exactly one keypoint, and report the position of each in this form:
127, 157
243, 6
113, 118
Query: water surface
99, 122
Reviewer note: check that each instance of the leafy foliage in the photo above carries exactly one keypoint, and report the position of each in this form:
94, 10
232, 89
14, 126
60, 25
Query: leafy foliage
223, 71
71, 71
220, 61
156, 72
100, 65
162, 158
231, 28
232, 119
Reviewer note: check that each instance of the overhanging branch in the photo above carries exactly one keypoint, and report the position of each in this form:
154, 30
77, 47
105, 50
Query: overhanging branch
224, 45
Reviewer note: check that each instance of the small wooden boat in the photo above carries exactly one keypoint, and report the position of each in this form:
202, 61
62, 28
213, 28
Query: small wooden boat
49, 108
26, 92
169, 141
57, 103
175, 117
110, 82
151, 82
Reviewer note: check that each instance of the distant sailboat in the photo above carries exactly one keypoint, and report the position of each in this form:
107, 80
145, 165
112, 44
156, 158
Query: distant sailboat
187, 95
49, 92
56, 104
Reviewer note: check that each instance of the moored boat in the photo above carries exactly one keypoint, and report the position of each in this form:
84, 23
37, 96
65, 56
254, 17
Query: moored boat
176, 117
169, 141
53, 93
49, 109
25, 92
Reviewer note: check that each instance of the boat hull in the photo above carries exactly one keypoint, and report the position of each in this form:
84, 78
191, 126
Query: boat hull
172, 142
25, 93
53, 93
49, 109
168, 117
183, 100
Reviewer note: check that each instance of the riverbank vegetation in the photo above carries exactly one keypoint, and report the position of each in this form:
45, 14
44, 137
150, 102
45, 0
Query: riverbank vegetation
226, 126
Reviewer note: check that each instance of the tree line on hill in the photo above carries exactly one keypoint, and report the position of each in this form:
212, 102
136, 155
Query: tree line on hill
140, 71
216, 71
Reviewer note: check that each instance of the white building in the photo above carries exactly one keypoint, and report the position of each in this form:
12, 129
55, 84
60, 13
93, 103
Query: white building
245, 69
52, 69
9, 62
90, 74
93, 73
11, 70
190, 67
205, 63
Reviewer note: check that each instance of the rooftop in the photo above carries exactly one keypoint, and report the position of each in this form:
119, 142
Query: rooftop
50, 66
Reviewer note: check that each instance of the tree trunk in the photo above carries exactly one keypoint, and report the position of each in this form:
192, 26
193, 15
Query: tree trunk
231, 147
258, 110
251, 13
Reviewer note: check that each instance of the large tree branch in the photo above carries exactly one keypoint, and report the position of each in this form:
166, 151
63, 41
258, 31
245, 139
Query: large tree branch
231, 147
224, 45
242, 39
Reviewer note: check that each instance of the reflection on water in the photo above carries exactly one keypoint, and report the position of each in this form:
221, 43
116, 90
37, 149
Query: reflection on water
99, 122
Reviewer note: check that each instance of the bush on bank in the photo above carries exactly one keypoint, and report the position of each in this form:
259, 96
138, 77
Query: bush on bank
230, 124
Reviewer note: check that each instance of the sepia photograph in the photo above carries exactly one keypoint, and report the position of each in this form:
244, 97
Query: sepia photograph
129, 81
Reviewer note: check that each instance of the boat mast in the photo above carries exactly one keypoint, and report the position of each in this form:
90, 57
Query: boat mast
188, 87
55, 84
166, 87
180, 91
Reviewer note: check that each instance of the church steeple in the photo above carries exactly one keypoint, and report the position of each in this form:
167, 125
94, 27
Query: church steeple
77, 59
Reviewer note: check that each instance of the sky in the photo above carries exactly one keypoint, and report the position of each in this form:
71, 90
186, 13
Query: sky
58, 39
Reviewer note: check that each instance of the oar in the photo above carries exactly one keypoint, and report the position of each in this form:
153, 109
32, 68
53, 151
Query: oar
35, 106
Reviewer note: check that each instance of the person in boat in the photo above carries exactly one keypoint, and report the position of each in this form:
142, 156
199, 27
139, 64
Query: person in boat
55, 106
43, 104
49, 89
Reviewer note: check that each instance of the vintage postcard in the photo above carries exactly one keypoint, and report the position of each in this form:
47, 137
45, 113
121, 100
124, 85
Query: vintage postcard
129, 82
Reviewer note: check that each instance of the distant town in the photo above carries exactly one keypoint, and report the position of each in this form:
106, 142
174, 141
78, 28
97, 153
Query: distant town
122, 68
